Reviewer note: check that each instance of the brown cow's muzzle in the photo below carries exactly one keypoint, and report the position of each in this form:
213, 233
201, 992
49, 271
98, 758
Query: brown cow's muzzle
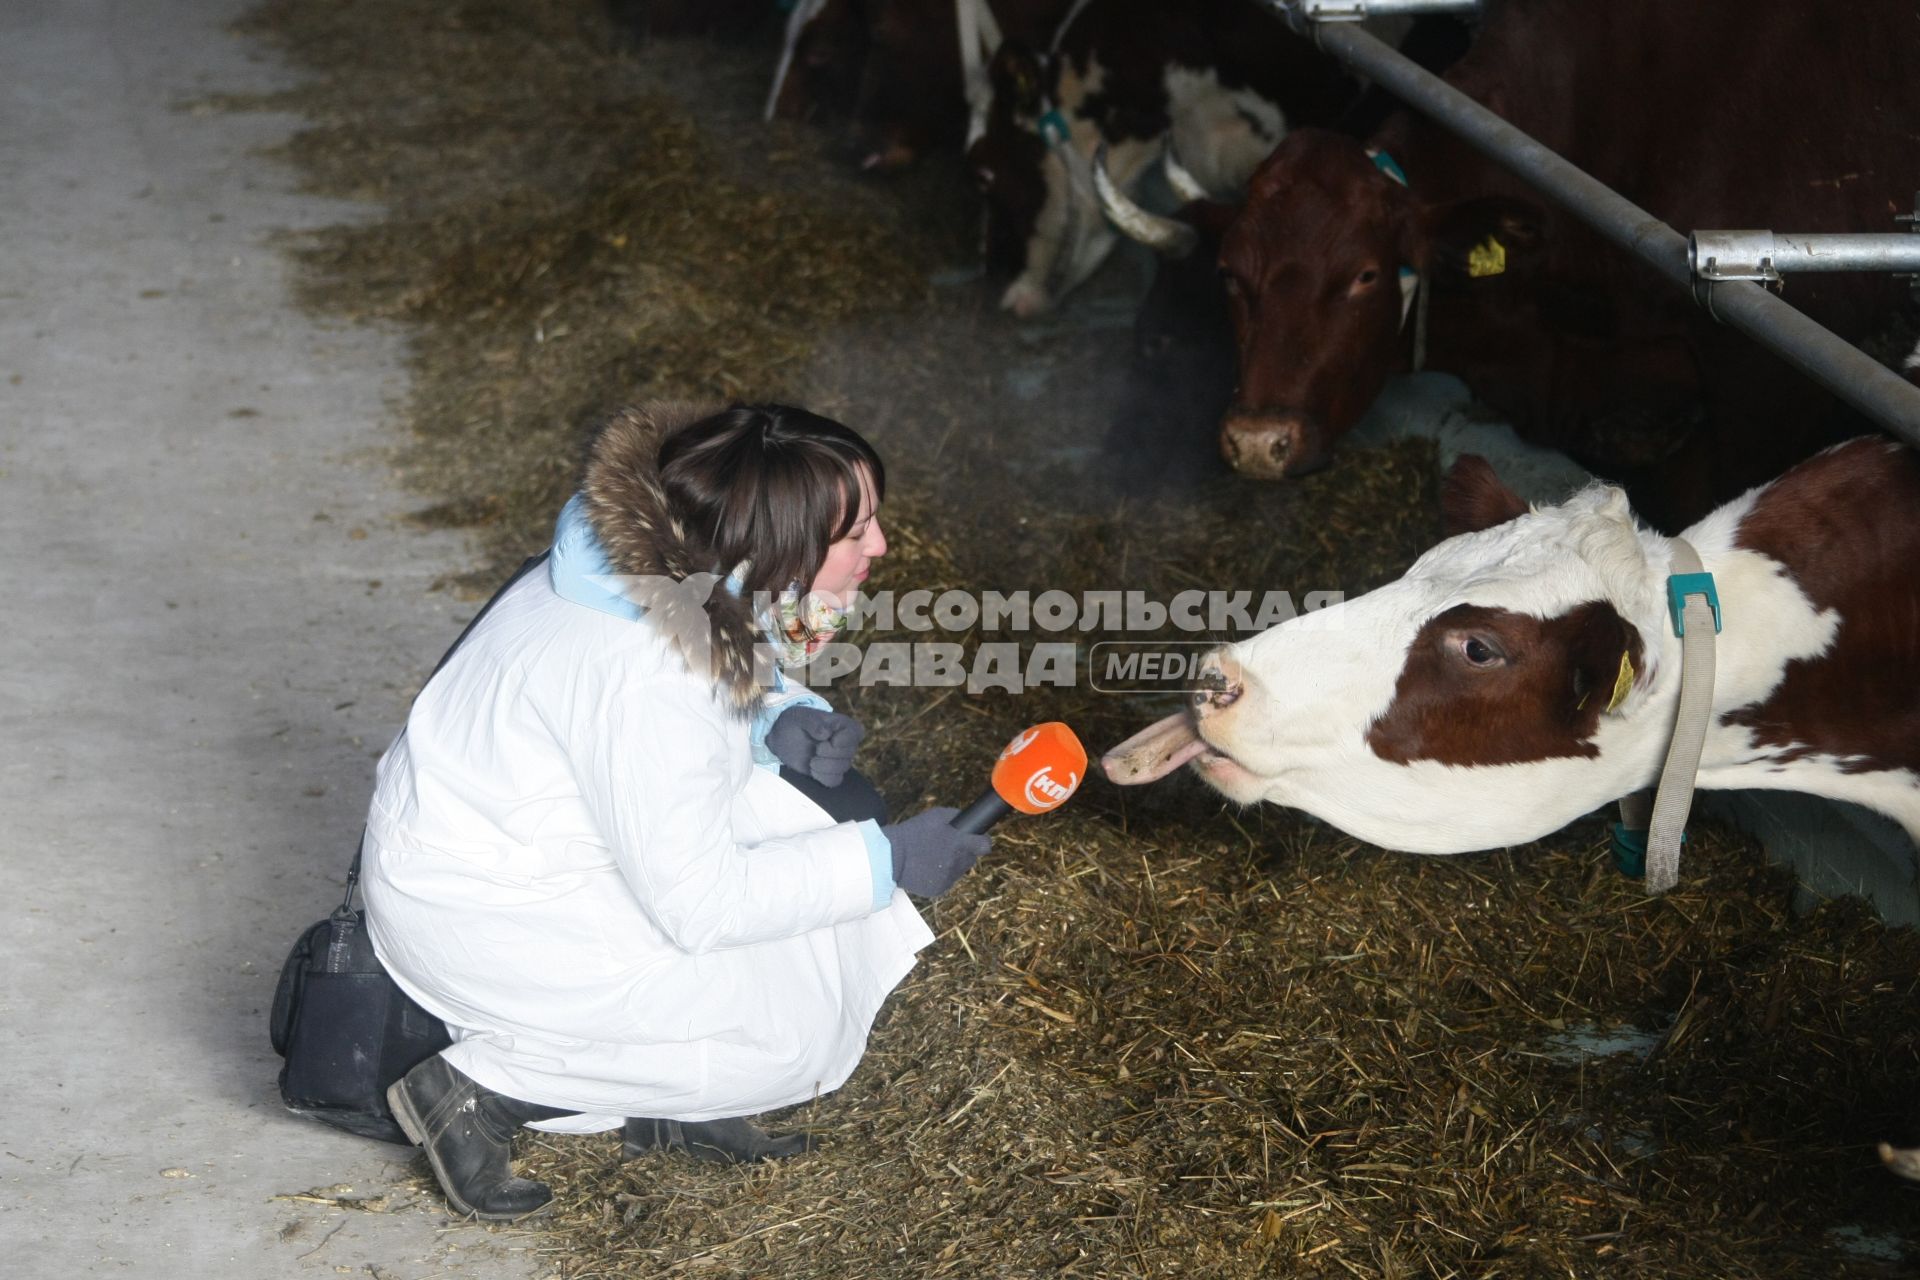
888, 157
879, 147
1271, 446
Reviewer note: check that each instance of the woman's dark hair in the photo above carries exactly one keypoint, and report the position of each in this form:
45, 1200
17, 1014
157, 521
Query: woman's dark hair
771, 484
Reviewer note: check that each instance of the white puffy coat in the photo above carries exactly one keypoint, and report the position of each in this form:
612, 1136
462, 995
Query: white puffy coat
573, 858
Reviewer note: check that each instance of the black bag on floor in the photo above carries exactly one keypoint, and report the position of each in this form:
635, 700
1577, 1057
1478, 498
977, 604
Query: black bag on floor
344, 1026
346, 1029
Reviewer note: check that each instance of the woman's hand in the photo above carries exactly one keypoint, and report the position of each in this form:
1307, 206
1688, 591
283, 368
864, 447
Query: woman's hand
817, 743
929, 854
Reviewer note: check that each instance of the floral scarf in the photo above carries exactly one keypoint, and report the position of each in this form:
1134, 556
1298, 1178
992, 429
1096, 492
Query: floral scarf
802, 624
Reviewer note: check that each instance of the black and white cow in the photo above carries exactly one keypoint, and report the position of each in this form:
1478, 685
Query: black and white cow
1218, 80
900, 69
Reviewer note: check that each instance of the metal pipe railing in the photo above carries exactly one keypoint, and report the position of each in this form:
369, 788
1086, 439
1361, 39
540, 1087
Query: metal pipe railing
1361, 10
1817, 352
1768, 255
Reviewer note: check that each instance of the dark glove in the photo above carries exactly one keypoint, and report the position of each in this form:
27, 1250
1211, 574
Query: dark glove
817, 743
929, 855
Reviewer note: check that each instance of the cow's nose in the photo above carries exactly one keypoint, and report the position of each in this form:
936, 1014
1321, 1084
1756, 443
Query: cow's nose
876, 150
1264, 446
1221, 685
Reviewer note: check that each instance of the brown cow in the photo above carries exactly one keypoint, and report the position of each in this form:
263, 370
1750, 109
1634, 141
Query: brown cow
1710, 114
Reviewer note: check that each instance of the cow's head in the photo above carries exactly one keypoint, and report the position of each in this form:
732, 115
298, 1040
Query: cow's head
820, 70
1008, 160
1321, 269
1021, 177
1181, 374
911, 99
1034, 165
1488, 697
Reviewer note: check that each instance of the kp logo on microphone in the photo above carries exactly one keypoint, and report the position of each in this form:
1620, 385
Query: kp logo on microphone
1041, 768
1045, 792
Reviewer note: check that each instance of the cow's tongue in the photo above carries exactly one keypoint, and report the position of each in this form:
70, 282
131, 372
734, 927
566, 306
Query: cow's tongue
1154, 752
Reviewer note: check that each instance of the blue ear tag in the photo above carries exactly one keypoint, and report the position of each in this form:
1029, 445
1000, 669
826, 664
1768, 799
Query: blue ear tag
1054, 128
1386, 164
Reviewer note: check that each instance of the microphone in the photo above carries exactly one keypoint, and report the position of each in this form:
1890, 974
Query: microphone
1039, 771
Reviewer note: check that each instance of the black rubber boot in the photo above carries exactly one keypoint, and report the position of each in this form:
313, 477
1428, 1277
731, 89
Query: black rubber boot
467, 1131
734, 1141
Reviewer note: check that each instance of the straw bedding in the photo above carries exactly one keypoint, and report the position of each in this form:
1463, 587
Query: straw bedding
1156, 1035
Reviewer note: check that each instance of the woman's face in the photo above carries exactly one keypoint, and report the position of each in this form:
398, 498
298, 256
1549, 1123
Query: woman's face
845, 567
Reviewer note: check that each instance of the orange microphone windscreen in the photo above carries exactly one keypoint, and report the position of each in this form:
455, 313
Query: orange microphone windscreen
1041, 768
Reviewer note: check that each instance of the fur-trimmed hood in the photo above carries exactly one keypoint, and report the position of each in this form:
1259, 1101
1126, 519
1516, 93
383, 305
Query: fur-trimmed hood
664, 573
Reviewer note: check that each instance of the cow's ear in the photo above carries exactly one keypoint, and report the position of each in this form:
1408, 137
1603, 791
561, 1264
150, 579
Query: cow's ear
1604, 660
1485, 238
1018, 77
1473, 497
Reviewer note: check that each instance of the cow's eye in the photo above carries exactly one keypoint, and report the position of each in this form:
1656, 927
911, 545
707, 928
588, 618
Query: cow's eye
1366, 277
1480, 650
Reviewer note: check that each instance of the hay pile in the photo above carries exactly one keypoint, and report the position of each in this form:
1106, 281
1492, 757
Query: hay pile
1156, 1036
1173, 1054
561, 237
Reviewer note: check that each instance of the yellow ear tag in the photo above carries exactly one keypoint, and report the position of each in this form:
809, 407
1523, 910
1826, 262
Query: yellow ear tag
1623, 682
1488, 258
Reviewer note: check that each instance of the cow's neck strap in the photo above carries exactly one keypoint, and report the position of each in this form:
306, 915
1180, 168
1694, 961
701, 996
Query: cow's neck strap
803, 12
1060, 32
1052, 125
979, 41
1656, 825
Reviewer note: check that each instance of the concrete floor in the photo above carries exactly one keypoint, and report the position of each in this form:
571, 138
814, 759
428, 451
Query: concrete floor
213, 619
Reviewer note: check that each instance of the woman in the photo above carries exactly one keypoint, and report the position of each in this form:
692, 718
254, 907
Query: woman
615, 851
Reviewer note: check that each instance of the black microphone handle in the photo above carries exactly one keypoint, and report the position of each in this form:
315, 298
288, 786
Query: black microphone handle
982, 813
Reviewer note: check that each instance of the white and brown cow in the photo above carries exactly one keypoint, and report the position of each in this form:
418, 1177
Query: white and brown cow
1525, 672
